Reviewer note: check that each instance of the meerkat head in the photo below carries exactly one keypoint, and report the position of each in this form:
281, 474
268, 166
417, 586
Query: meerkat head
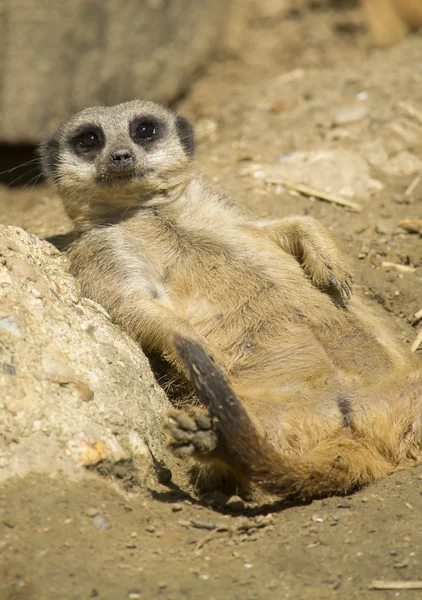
106, 161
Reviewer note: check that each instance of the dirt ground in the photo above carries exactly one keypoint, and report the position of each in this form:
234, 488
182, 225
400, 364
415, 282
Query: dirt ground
302, 83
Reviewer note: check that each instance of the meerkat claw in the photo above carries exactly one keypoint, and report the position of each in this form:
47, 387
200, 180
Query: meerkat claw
344, 286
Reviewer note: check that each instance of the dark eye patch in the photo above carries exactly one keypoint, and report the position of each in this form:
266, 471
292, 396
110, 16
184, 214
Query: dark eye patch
87, 140
146, 130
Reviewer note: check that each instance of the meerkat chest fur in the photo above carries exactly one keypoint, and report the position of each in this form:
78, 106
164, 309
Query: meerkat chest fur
196, 256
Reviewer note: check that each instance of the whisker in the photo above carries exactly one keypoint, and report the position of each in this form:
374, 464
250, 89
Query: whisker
34, 179
28, 162
23, 175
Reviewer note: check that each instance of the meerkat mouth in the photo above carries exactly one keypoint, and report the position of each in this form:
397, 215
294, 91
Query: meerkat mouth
111, 179
114, 179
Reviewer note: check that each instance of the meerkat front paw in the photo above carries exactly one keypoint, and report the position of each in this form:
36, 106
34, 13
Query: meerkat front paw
192, 434
316, 251
318, 254
325, 271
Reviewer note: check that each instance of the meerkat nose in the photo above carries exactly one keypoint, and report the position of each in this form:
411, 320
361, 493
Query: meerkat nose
122, 158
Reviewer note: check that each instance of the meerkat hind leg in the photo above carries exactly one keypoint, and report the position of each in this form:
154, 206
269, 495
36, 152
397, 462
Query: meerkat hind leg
194, 435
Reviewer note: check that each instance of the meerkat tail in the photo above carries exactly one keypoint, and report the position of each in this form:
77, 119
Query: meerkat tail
336, 465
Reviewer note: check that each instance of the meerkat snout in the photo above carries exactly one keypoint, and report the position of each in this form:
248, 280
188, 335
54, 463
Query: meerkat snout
122, 159
108, 160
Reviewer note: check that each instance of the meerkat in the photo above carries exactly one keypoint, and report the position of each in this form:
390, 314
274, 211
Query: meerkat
304, 393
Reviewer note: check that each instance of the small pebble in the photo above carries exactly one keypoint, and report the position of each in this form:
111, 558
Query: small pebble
100, 522
91, 512
203, 524
150, 528
134, 594
177, 507
402, 564
350, 114
235, 503
8, 522
183, 523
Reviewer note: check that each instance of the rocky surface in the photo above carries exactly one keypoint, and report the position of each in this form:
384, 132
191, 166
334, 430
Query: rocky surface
75, 389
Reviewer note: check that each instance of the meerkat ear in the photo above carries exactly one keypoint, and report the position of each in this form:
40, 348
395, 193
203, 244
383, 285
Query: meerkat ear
48, 153
186, 135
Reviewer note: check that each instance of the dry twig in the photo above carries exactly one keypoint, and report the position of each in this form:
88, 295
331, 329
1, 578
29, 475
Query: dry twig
417, 342
411, 225
208, 538
289, 76
398, 267
395, 585
417, 316
308, 191
411, 188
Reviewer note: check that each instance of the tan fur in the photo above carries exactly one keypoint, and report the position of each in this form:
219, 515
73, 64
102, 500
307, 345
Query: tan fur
331, 401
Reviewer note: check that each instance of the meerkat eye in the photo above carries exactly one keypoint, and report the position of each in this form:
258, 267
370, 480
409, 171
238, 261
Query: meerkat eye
146, 129
87, 141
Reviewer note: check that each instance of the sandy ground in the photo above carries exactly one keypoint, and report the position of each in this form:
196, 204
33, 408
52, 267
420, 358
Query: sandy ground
307, 84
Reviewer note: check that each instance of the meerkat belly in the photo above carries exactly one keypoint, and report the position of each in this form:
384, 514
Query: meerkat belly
254, 303
228, 290
262, 312
243, 301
